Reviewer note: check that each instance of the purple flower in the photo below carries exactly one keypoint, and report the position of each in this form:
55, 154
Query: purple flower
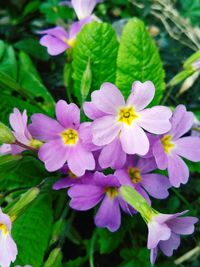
126, 121
102, 188
169, 148
71, 179
137, 174
8, 247
66, 139
18, 122
165, 230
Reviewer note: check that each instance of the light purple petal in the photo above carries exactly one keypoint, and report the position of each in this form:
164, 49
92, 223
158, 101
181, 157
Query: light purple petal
65, 183
105, 130
57, 32
80, 160
76, 27
91, 111
156, 185
83, 8
54, 154
112, 155
109, 215
5, 149
8, 250
160, 155
108, 99
134, 140
182, 226
182, 121
5, 219
68, 115
54, 46
146, 165
157, 232
123, 177
153, 255
85, 197
141, 94
105, 181
142, 192
44, 128
85, 135
177, 170
189, 148
170, 245
155, 120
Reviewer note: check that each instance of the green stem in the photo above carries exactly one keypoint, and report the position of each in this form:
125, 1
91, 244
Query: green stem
91, 251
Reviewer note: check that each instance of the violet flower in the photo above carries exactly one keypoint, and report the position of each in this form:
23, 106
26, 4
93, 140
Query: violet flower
169, 148
8, 247
137, 174
165, 230
102, 189
126, 121
18, 122
57, 39
66, 139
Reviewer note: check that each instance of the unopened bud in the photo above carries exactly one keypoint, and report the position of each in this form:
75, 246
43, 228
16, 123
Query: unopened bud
86, 81
57, 231
54, 259
6, 135
20, 206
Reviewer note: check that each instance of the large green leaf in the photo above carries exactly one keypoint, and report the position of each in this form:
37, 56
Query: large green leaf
138, 59
32, 232
97, 44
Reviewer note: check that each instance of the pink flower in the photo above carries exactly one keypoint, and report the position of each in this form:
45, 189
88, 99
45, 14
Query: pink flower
126, 120
169, 148
8, 247
165, 231
66, 139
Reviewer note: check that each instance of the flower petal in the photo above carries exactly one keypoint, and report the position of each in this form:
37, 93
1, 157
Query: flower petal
85, 135
85, 197
160, 156
189, 148
83, 8
177, 170
112, 155
156, 185
108, 99
54, 45
104, 130
68, 115
155, 120
57, 32
153, 255
182, 226
146, 165
170, 245
91, 111
80, 160
141, 95
54, 154
182, 121
44, 128
109, 215
157, 232
134, 140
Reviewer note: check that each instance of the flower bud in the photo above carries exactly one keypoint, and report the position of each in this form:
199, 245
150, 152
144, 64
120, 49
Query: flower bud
86, 81
57, 231
6, 135
54, 258
20, 206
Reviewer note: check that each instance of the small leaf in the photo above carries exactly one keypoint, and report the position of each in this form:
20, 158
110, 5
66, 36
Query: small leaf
98, 44
138, 59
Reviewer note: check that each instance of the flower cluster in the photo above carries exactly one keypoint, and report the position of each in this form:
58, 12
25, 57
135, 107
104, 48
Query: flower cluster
123, 145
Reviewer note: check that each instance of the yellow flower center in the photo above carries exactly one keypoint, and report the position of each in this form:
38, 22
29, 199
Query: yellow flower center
70, 137
71, 42
127, 115
71, 174
3, 228
35, 143
112, 192
167, 143
134, 174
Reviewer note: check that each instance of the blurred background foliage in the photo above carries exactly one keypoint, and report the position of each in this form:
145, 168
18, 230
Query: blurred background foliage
31, 79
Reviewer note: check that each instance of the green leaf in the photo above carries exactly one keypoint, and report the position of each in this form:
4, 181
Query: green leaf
138, 59
8, 62
135, 258
32, 47
98, 44
30, 81
2, 48
78, 262
32, 232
